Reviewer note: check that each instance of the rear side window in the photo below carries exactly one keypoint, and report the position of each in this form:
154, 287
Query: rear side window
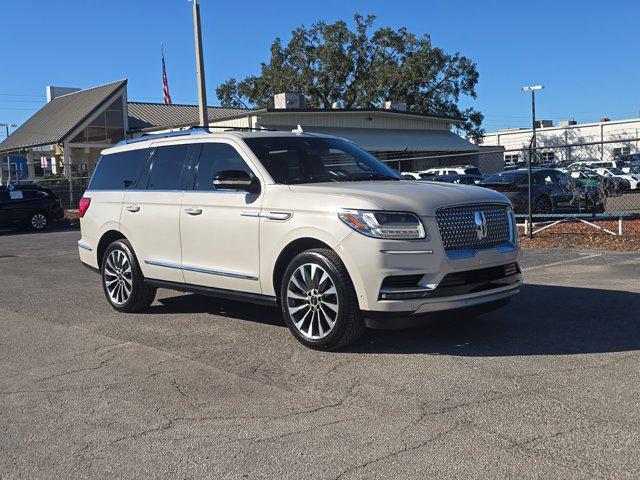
215, 158
166, 169
119, 171
32, 194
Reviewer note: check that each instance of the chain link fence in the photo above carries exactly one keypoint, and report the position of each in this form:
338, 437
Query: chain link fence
589, 182
68, 190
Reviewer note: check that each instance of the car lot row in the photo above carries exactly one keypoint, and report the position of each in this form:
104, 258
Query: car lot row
555, 189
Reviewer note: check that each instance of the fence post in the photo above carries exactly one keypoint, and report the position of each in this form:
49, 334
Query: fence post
620, 226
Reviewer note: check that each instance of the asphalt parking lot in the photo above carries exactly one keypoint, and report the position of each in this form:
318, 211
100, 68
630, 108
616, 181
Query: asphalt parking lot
200, 388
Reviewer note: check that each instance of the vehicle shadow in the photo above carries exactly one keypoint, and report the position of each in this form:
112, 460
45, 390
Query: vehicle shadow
541, 320
193, 303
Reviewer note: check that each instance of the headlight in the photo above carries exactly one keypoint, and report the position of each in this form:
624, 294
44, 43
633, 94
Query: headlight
391, 225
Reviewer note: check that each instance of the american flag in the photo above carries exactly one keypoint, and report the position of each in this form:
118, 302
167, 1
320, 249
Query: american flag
165, 83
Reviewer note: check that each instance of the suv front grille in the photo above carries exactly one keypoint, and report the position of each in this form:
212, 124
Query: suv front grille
459, 231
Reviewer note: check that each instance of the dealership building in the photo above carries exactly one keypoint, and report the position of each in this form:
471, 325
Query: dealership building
68, 133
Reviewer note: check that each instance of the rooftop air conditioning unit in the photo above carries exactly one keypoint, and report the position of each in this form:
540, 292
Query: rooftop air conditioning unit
288, 100
393, 105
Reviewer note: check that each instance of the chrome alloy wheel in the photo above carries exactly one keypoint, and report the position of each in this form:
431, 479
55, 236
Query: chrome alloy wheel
117, 277
312, 301
38, 221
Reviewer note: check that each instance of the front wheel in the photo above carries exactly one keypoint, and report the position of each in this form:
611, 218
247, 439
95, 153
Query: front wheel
319, 302
122, 279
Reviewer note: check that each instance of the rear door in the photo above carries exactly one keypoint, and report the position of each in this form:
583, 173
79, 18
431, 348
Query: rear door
151, 213
220, 228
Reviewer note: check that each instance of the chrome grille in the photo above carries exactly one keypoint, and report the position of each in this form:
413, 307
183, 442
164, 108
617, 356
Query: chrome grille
458, 227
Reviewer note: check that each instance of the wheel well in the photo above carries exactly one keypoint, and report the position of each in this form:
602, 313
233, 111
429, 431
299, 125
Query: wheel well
288, 253
107, 239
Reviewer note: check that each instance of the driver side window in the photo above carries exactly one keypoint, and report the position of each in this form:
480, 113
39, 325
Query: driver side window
216, 158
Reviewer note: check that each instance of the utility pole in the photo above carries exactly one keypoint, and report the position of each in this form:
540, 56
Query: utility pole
202, 89
532, 148
6, 126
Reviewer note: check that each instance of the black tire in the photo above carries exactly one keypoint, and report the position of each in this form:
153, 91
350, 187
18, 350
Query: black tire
38, 221
543, 205
141, 295
348, 324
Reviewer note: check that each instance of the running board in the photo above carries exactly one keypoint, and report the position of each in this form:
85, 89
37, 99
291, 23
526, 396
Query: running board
214, 292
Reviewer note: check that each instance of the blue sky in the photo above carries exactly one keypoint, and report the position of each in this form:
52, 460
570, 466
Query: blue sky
584, 52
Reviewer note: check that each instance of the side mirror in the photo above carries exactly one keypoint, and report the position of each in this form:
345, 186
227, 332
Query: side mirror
236, 180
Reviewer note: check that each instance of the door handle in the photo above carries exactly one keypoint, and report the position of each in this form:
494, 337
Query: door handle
133, 208
193, 211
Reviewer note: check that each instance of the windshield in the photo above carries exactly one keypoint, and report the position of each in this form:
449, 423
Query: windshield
616, 171
506, 177
294, 160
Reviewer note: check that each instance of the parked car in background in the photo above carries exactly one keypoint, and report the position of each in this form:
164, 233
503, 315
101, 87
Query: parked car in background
550, 189
29, 207
608, 185
453, 170
632, 178
594, 164
457, 178
309, 223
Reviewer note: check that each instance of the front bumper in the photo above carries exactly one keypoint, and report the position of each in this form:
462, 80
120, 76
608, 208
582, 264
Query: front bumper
369, 261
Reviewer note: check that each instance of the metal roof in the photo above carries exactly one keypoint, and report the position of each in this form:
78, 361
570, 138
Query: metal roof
397, 139
58, 118
329, 111
145, 116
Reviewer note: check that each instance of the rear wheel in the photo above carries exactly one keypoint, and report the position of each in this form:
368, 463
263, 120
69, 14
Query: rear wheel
38, 221
122, 279
318, 301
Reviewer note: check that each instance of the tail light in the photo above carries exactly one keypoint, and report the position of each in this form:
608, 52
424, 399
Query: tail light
83, 206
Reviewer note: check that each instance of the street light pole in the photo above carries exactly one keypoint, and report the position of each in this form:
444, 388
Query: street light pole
6, 126
532, 148
202, 90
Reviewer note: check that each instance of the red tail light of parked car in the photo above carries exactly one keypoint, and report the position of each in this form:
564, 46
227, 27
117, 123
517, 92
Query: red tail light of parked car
83, 206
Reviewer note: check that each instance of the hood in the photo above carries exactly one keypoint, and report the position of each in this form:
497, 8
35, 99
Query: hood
421, 197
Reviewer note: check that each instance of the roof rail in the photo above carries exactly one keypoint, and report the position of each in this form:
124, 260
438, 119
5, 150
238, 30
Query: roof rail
192, 130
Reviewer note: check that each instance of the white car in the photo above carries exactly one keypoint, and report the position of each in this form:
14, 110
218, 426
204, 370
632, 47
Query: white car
632, 178
309, 223
595, 164
454, 170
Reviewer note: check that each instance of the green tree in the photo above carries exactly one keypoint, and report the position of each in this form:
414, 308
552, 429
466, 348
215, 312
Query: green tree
361, 68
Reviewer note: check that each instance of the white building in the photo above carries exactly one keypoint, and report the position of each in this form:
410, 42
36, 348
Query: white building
570, 141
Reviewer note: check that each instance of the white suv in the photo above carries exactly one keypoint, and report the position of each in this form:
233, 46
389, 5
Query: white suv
310, 223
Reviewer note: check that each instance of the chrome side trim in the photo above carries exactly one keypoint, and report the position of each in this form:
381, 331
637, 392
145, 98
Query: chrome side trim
191, 268
407, 252
84, 246
280, 216
253, 213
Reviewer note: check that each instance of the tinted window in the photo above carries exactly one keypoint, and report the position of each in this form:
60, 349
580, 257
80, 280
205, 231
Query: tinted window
166, 169
304, 159
214, 158
508, 178
472, 171
31, 194
118, 171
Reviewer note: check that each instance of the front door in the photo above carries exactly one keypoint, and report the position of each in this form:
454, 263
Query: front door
220, 227
150, 216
